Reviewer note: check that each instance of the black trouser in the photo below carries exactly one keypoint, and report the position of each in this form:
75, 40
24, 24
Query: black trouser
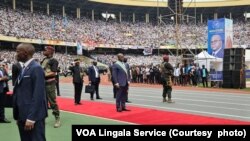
78, 92
204, 80
36, 134
121, 97
96, 85
127, 94
2, 101
193, 78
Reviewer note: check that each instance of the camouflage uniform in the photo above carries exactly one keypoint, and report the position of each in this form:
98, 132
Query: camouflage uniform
51, 65
166, 75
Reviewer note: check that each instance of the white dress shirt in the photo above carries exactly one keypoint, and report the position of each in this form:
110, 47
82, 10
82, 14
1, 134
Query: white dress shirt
96, 72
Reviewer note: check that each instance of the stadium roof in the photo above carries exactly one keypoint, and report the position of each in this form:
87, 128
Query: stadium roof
187, 3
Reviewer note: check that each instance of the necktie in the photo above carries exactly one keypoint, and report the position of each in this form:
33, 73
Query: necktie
23, 68
21, 73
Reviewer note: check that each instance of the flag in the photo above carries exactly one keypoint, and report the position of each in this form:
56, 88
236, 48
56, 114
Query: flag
79, 48
147, 51
65, 22
53, 24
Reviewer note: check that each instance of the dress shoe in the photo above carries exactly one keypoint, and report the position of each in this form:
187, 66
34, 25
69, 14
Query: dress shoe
124, 109
91, 98
98, 98
119, 110
5, 121
128, 101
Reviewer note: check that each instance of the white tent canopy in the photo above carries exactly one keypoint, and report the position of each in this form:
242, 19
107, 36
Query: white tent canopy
203, 58
204, 55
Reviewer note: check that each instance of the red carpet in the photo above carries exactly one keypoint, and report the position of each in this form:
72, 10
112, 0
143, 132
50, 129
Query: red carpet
142, 115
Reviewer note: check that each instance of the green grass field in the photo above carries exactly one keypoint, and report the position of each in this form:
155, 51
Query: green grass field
9, 132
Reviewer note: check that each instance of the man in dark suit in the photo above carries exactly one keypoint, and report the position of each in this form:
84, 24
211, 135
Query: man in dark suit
121, 80
94, 79
16, 69
77, 72
3, 90
129, 77
29, 98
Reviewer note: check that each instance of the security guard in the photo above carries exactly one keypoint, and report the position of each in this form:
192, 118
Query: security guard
166, 75
50, 66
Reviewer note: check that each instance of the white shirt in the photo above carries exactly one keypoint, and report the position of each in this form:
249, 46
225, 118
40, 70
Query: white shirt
27, 63
96, 72
176, 71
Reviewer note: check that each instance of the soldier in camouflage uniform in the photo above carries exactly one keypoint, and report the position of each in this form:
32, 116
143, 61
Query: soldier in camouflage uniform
50, 66
166, 75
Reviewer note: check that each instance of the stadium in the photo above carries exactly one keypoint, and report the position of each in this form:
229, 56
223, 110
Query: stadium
205, 44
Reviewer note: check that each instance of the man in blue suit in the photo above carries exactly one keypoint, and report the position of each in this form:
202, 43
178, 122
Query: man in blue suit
94, 79
29, 98
121, 81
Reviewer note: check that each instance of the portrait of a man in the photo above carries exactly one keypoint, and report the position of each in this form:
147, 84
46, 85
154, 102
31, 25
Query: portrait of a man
217, 46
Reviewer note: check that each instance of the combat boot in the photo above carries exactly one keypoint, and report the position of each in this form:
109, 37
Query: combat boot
164, 99
57, 123
170, 101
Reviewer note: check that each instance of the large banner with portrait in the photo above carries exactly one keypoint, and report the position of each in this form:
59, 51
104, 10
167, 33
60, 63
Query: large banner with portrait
220, 36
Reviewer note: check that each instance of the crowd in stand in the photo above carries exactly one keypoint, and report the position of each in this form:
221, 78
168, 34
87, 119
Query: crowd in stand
64, 60
132, 59
24, 24
21, 23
